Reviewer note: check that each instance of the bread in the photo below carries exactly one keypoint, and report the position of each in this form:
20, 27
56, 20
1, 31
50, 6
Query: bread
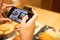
7, 28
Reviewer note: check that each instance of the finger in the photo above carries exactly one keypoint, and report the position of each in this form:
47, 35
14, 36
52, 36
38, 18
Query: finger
10, 5
33, 19
24, 19
17, 29
9, 20
34, 12
6, 19
7, 6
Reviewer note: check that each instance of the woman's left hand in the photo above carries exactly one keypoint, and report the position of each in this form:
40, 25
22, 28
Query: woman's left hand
4, 7
3, 20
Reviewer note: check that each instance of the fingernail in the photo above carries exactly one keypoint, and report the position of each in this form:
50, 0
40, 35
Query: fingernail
26, 16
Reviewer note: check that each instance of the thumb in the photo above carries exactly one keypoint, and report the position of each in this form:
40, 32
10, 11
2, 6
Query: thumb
6, 19
24, 19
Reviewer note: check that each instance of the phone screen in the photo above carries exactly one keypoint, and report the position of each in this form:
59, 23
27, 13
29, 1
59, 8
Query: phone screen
17, 14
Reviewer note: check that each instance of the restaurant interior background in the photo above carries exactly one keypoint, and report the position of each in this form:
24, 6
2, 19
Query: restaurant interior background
44, 9
49, 10
52, 5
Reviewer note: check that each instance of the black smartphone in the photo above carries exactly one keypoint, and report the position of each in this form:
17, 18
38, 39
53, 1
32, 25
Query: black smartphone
27, 8
17, 14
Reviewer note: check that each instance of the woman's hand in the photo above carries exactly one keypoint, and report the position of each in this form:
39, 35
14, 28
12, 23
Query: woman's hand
26, 29
4, 20
3, 7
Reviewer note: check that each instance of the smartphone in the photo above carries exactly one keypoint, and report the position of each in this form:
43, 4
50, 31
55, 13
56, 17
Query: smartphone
17, 14
27, 8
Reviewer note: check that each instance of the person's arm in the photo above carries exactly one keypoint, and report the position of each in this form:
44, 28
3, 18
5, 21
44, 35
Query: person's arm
26, 30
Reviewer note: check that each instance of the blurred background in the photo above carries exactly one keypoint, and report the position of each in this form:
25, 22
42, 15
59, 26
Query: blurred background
44, 9
52, 5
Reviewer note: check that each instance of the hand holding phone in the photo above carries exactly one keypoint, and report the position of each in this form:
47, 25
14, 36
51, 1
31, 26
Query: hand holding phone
17, 14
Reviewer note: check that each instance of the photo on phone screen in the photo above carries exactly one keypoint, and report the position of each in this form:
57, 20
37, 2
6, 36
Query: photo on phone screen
16, 14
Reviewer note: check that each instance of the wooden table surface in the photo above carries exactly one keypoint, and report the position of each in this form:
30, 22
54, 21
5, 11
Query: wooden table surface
46, 17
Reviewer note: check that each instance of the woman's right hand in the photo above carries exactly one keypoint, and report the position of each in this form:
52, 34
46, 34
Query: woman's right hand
26, 29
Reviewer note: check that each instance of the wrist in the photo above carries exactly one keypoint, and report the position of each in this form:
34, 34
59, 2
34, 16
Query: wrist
26, 35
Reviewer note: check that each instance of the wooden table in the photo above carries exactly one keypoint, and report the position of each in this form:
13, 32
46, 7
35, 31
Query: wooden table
46, 17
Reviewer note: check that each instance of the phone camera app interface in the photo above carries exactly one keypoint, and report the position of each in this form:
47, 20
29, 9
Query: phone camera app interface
17, 15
